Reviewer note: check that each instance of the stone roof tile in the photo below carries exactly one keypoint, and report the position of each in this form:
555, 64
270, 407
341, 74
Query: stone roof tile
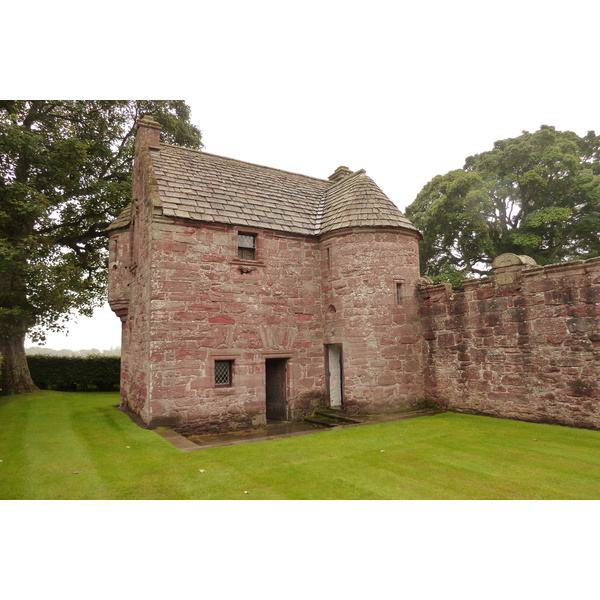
230, 190
357, 201
122, 220
201, 186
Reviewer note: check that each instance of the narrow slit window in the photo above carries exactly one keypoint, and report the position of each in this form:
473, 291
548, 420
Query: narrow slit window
223, 373
247, 246
398, 293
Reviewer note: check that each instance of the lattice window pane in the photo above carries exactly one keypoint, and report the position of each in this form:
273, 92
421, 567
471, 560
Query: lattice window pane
246, 246
222, 372
246, 241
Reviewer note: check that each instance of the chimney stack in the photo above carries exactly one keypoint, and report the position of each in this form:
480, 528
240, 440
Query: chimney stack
148, 133
339, 174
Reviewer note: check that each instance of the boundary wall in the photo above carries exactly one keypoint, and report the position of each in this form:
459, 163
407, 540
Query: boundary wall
522, 344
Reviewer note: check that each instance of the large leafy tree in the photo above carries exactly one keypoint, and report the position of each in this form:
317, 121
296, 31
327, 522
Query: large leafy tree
536, 194
65, 172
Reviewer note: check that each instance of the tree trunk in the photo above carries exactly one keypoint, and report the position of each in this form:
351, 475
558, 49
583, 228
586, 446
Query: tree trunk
14, 371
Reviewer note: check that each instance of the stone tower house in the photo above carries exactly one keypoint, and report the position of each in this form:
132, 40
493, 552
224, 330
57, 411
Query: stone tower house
248, 293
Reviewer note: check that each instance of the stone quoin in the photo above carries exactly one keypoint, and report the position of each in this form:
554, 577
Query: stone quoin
248, 293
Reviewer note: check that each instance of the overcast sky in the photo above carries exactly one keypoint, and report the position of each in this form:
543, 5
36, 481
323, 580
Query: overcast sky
404, 90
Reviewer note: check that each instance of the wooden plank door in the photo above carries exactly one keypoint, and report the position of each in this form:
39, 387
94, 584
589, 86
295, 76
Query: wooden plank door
276, 388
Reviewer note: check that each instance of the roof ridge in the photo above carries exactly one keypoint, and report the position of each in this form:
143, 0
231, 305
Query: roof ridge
319, 213
246, 162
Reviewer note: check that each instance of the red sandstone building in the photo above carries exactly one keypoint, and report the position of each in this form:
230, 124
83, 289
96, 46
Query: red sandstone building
248, 293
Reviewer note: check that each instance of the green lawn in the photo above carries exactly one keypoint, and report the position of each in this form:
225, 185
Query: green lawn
56, 445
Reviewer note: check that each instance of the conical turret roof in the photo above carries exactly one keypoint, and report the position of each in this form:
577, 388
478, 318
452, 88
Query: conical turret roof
357, 201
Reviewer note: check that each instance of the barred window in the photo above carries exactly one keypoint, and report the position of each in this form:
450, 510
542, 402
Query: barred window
247, 246
223, 373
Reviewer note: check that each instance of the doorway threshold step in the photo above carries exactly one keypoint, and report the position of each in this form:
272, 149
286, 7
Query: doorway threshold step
320, 422
326, 418
335, 414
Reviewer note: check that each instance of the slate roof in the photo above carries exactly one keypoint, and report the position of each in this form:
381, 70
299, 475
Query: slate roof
197, 185
122, 220
357, 201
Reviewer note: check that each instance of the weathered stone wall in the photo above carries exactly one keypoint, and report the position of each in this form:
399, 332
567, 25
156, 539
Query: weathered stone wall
208, 305
119, 293
196, 302
522, 344
130, 256
380, 338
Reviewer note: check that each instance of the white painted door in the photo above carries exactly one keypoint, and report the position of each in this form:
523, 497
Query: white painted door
335, 376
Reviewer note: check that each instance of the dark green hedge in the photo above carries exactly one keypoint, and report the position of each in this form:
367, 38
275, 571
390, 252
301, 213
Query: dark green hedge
75, 373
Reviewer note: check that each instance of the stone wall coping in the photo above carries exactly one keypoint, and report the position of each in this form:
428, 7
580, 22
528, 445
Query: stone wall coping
477, 283
426, 290
587, 266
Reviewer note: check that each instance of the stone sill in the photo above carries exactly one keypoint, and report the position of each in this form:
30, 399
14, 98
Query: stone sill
246, 263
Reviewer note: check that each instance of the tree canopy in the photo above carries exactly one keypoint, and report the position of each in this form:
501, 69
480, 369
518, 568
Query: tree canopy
65, 173
536, 194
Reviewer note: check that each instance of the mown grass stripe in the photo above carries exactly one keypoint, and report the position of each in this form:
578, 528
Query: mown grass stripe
14, 415
59, 465
447, 456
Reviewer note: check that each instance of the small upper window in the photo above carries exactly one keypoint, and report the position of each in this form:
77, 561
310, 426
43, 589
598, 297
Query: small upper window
247, 246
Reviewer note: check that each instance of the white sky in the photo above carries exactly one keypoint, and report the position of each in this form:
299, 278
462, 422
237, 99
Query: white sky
405, 90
